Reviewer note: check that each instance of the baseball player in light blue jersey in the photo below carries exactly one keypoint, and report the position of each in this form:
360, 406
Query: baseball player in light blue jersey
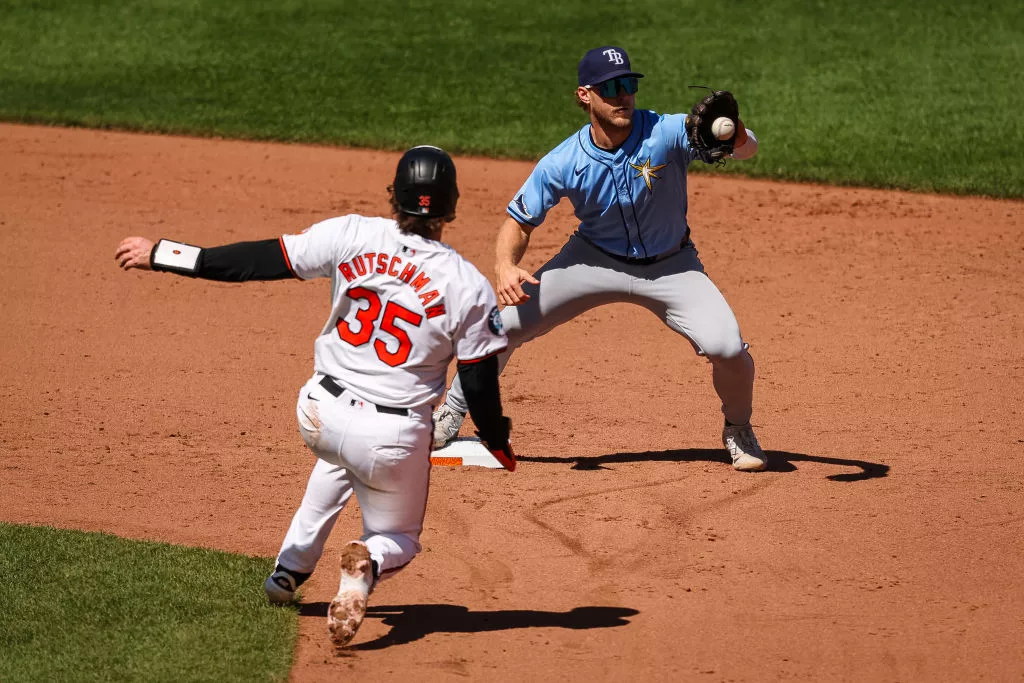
625, 175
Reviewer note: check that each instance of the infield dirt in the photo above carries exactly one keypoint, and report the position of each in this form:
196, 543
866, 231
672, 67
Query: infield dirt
885, 544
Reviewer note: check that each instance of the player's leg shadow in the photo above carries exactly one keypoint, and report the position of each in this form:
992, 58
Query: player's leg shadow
412, 622
778, 461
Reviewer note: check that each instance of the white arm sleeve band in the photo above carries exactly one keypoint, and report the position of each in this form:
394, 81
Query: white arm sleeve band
175, 257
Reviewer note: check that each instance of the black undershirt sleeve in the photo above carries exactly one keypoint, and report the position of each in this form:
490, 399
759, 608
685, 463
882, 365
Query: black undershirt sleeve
483, 397
242, 261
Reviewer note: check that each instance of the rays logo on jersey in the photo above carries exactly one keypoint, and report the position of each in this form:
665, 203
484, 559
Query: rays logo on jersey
521, 205
494, 322
648, 172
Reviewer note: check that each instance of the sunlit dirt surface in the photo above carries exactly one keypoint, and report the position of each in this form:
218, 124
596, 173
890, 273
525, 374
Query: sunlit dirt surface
884, 544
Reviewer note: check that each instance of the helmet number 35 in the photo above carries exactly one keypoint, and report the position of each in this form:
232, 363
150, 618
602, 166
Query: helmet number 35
368, 322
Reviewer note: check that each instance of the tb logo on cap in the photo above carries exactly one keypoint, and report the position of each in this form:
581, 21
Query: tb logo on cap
614, 56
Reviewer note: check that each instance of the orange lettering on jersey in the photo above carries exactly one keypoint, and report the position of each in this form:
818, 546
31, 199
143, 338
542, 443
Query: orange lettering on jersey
407, 273
420, 282
360, 266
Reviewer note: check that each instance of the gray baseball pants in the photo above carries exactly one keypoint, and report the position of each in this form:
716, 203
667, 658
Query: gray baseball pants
581, 277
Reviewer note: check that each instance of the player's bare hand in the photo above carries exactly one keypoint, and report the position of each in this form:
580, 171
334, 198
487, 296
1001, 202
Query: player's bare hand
133, 252
509, 288
741, 134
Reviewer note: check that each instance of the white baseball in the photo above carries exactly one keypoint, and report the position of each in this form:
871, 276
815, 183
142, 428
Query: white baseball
722, 128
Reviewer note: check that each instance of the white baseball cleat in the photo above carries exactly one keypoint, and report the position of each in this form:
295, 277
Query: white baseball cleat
447, 423
742, 445
349, 606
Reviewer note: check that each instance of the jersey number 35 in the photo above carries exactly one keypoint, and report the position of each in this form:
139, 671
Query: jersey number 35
367, 319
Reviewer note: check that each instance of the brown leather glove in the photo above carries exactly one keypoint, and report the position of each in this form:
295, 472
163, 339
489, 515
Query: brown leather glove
715, 105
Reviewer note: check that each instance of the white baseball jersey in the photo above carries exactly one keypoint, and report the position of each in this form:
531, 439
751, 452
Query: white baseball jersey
402, 307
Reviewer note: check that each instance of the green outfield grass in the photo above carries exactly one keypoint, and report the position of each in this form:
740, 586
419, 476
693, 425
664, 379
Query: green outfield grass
918, 94
92, 607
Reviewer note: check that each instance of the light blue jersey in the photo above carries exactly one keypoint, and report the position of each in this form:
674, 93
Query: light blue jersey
631, 202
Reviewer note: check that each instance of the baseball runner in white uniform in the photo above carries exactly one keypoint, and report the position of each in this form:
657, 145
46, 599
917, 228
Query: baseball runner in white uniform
403, 304
625, 175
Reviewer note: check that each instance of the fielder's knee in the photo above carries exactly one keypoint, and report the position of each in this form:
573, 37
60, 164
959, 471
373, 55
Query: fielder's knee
725, 350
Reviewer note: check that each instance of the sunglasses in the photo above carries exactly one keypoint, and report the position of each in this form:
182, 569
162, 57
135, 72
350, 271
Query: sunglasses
610, 88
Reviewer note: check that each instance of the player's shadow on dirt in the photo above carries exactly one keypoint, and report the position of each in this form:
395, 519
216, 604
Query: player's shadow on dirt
778, 461
412, 622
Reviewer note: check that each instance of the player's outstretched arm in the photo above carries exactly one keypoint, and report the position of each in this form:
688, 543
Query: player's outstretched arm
237, 262
513, 239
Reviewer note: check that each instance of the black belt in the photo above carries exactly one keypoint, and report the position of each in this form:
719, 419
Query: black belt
335, 390
647, 260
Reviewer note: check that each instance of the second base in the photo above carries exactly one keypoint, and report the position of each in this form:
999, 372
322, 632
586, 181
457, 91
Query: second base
465, 450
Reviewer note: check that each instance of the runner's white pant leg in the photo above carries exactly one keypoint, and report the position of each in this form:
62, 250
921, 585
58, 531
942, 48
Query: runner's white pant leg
327, 492
390, 458
570, 284
383, 458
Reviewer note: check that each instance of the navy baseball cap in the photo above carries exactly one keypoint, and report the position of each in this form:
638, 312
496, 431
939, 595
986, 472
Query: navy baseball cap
604, 63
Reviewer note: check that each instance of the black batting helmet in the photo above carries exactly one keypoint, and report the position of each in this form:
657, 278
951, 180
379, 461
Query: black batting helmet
425, 183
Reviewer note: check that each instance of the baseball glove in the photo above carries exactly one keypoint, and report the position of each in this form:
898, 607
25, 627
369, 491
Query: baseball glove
717, 104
